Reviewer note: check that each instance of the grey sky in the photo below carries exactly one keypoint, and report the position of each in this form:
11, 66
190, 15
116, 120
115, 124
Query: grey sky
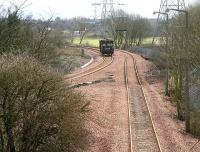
74, 8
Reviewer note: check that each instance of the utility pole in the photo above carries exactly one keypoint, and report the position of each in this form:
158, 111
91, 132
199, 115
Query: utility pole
167, 50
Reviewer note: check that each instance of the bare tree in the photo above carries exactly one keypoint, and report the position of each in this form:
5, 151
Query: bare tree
184, 55
127, 29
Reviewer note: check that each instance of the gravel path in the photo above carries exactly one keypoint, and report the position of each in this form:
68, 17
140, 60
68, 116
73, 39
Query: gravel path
108, 119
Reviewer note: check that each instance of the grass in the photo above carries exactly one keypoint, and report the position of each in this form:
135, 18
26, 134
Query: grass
94, 42
70, 51
149, 40
68, 59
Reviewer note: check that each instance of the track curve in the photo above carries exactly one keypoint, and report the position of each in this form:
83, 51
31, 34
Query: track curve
105, 63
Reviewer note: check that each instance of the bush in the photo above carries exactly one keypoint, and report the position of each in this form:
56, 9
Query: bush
37, 113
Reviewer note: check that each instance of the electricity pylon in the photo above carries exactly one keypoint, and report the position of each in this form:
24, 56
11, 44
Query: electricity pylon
106, 13
96, 16
107, 9
162, 18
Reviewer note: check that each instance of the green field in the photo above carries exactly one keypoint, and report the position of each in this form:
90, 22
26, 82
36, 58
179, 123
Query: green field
149, 40
94, 42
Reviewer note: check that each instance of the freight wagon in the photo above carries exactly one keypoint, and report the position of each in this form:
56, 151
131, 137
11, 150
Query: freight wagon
106, 46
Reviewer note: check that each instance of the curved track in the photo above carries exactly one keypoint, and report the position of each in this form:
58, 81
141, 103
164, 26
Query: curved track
140, 119
105, 63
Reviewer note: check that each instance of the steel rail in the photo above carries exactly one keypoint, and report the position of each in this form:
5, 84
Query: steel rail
92, 70
128, 100
69, 76
145, 98
74, 75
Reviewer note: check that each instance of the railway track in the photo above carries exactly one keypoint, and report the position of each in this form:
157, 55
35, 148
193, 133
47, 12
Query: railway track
106, 61
128, 100
143, 136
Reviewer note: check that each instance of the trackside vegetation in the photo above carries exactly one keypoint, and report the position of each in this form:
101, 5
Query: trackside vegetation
185, 59
37, 111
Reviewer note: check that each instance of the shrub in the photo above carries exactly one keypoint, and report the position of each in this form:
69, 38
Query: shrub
37, 113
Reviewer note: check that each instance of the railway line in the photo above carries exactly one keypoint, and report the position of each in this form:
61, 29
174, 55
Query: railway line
106, 61
128, 100
126, 110
143, 136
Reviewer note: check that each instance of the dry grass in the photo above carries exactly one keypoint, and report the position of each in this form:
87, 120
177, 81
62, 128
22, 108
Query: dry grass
68, 59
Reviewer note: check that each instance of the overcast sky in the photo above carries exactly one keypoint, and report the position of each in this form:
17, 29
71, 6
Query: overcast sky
74, 8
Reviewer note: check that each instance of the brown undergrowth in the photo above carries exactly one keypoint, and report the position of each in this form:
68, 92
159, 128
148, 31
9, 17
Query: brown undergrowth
37, 113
